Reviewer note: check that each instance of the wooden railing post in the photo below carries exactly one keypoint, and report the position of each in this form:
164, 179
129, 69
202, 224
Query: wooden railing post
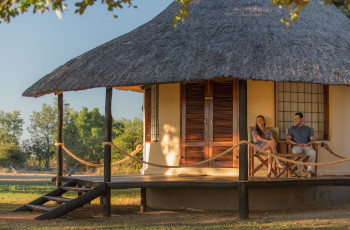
243, 205
59, 171
107, 155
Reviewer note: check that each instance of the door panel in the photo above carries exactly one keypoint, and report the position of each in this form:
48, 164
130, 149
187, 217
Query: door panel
195, 112
195, 154
222, 111
225, 107
224, 161
209, 122
193, 117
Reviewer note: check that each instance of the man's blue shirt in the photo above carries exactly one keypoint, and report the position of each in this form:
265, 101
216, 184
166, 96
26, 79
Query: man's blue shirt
300, 135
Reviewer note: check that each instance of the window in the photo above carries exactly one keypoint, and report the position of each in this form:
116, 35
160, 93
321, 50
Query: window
309, 99
151, 105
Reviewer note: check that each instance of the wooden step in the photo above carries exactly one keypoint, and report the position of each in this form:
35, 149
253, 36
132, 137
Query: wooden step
75, 203
57, 192
78, 189
39, 207
57, 198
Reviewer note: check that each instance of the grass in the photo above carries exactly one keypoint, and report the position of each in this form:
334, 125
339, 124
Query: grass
126, 215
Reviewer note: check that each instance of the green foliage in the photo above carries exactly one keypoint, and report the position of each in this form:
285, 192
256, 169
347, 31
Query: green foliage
11, 154
11, 8
345, 11
11, 126
42, 129
127, 135
10, 132
83, 134
344, 6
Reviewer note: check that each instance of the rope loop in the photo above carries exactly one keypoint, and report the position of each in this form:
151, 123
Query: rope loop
138, 148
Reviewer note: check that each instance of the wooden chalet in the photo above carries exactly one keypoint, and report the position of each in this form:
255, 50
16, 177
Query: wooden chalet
204, 83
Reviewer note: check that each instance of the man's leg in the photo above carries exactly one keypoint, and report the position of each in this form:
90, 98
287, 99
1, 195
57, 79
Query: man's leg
297, 150
311, 152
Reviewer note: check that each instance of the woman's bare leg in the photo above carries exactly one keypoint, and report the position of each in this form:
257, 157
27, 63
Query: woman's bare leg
273, 147
268, 149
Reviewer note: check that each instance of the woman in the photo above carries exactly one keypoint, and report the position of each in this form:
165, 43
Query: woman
263, 138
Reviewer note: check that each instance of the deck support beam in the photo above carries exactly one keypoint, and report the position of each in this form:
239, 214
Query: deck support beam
107, 154
143, 206
59, 171
243, 204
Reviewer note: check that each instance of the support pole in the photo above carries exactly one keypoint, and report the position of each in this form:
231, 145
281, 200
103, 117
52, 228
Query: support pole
243, 205
143, 207
107, 155
59, 172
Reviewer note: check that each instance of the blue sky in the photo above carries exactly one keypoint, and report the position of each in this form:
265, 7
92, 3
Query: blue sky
32, 46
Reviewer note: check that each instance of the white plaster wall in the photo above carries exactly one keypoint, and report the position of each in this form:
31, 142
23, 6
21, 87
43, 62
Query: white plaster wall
261, 101
167, 150
339, 127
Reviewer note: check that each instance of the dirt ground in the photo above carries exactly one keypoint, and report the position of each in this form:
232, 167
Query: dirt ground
121, 215
130, 213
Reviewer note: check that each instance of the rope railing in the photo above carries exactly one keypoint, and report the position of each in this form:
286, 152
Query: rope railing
138, 148
324, 145
261, 151
169, 166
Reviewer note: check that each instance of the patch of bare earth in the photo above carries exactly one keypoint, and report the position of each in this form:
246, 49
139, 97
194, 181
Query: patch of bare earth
130, 215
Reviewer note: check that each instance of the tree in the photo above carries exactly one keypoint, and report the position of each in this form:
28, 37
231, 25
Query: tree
10, 133
11, 8
90, 127
127, 135
43, 129
11, 125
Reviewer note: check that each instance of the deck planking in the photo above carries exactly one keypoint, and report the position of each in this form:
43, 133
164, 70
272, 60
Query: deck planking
158, 181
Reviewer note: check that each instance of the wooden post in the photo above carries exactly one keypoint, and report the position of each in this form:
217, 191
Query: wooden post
107, 155
143, 207
59, 171
243, 205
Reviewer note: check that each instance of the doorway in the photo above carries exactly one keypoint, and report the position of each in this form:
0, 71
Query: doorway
209, 122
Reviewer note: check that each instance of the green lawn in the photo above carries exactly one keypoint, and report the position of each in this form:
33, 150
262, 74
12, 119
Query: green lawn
126, 215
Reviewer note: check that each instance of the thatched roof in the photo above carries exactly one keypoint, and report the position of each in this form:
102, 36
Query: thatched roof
223, 38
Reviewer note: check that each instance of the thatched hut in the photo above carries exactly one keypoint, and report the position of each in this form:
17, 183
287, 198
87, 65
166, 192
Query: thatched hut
199, 78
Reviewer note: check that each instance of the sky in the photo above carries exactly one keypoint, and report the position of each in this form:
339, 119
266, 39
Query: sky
33, 45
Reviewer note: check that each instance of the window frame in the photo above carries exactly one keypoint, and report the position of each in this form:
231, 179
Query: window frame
325, 108
151, 109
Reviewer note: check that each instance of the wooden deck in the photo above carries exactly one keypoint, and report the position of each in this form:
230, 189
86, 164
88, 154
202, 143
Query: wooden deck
158, 181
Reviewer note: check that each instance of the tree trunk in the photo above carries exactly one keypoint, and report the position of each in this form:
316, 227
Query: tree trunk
47, 164
39, 163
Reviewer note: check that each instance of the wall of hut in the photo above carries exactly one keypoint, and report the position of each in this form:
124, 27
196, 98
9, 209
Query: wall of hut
261, 100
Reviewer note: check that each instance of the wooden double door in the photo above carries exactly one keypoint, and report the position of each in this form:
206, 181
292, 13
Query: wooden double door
209, 122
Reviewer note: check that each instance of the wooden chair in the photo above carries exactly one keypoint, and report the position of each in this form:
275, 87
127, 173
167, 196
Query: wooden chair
263, 159
292, 168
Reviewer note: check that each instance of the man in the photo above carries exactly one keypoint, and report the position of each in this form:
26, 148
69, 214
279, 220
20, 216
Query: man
301, 137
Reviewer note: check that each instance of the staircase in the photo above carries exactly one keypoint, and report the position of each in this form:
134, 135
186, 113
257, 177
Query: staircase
85, 196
